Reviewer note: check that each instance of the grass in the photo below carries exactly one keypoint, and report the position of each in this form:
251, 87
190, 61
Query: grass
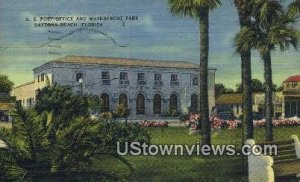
189, 168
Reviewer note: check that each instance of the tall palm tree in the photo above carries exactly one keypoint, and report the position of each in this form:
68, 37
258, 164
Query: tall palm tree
199, 9
272, 28
243, 7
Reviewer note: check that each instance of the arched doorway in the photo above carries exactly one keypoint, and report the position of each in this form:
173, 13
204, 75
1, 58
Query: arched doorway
140, 104
194, 103
173, 102
157, 104
123, 100
105, 102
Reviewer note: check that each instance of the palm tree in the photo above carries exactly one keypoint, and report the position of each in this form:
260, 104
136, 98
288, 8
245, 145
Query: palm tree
294, 8
243, 7
271, 28
199, 9
26, 153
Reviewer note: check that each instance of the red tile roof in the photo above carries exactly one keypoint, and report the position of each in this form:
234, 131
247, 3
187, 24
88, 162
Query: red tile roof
126, 62
295, 78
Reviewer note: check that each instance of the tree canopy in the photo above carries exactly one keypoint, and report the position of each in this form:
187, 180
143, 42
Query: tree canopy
5, 84
221, 89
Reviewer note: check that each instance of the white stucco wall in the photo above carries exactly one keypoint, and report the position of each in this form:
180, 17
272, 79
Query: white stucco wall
65, 74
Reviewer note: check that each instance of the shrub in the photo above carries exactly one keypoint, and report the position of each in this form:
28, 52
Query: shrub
62, 149
106, 115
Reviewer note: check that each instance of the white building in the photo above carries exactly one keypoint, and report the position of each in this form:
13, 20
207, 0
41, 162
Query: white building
147, 87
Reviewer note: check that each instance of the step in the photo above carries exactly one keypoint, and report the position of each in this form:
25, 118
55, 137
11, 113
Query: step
287, 161
286, 152
287, 168
282, 149
285, 147
284, 157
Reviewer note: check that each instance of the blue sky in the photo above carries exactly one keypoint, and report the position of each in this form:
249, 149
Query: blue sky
157, 35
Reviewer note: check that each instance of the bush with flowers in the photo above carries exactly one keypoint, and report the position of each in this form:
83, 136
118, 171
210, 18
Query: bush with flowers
218, 123
277, 123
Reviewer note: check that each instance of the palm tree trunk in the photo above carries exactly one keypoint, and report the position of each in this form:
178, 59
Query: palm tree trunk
268, 95
247, 92
204, 49
243, 11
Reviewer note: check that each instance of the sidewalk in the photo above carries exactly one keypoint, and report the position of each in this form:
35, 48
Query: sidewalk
172, 122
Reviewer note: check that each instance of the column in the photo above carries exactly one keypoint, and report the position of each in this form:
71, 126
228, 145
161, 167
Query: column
150, 107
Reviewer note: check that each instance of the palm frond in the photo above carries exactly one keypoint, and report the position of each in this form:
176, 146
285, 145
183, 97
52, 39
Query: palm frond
245, 40
191, 8
294, 8
266, 11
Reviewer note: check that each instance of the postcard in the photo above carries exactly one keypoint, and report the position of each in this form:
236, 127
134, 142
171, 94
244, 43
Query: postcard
137, 90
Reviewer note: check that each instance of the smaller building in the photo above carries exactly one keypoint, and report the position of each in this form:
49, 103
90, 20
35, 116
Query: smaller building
233, 103
291, 96
230, 103
26, 93
6, 105
259, 104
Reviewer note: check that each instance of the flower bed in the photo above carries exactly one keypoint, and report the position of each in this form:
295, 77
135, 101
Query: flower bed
146, 123
218, 123
277, 123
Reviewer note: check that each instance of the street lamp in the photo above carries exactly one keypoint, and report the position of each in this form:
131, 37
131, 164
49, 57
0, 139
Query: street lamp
81, 82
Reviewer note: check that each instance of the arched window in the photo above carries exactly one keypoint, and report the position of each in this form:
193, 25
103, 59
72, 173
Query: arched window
195, 81
157, 104
105, 102
173, 103
194, 103
140, 104
123, 100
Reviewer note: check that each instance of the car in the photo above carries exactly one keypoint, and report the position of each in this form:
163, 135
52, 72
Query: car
226, 115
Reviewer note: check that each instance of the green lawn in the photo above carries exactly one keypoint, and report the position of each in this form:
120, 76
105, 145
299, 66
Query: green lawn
189, 168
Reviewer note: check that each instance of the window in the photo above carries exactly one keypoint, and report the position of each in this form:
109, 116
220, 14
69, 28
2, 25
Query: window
105, 102
157, 77
141, 79
195, 81
30, 102
105, 75
174, 78
194, 103
157, 104
42, 77
140, 104
105, 78
141, 76
79, 76
123, 76
294, 84
173, 103
123, 100
157, 80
